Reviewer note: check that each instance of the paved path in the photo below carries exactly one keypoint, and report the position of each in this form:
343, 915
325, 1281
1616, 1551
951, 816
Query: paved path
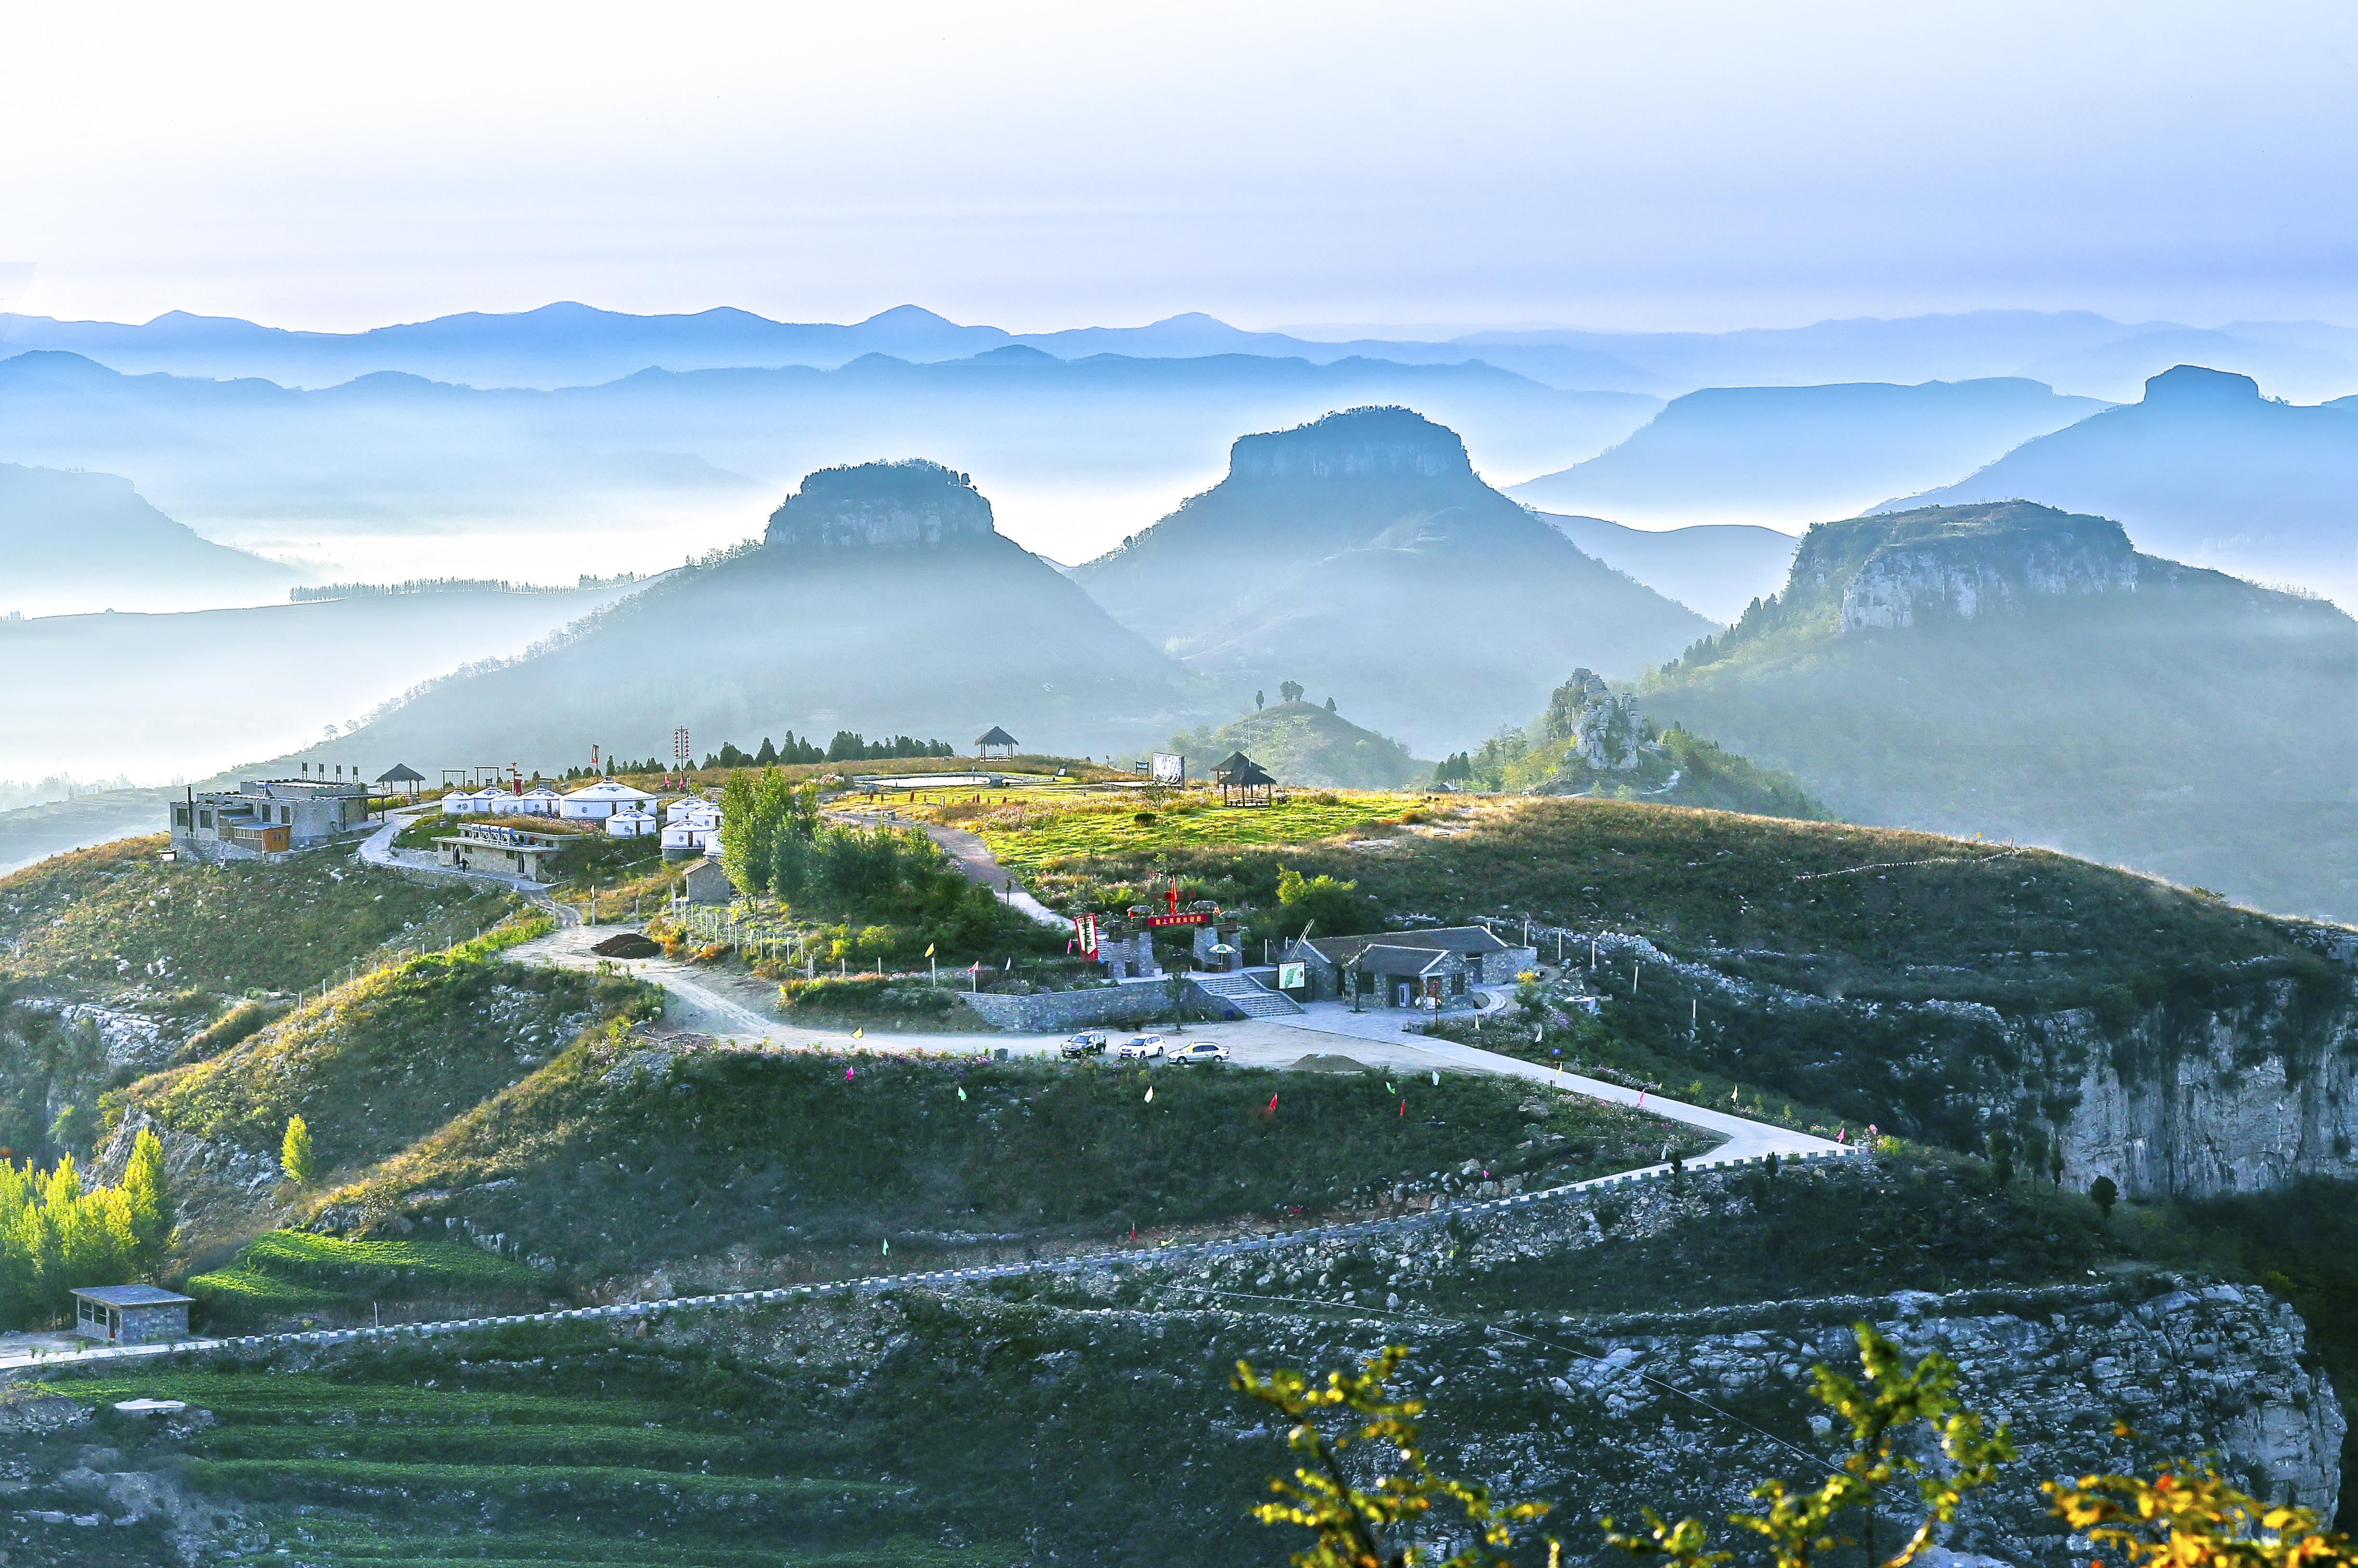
377, 850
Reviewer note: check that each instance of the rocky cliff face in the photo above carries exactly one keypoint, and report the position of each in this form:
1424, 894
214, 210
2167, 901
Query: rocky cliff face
1602, 1415
903, 505
1962, 573
2236, 1097
1356, 443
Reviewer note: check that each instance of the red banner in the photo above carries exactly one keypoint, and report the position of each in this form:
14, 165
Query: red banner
1178, 919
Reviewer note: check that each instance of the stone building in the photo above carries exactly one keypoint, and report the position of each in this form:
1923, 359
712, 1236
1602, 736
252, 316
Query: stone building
130, 1314
1407, 968
262, 818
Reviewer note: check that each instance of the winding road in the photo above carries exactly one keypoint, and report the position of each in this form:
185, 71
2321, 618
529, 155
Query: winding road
701, 1003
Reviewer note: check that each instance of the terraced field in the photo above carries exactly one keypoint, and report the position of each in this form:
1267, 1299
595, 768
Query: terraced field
640, 1457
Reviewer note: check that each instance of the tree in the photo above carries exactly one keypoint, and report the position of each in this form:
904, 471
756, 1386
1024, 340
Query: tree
1289, 691
294, 1151
1330, 705
1334, 906
148, 1203
767, 756
71, 1128
2105, 1194
2001, 1153
1257, 701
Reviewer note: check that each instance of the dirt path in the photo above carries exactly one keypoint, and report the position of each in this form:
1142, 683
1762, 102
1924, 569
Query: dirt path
972, 857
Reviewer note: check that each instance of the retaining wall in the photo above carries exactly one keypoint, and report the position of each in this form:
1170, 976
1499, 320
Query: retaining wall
1049, 1012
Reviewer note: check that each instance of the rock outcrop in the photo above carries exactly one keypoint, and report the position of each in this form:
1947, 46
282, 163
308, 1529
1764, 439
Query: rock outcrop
1961, 571
902, 506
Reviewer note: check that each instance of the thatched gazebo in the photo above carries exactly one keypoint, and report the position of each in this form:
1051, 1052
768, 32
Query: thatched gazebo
1244, 782
994, 743
403, 777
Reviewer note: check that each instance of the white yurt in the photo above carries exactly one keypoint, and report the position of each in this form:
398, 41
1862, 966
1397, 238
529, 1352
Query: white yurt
684, 841
690, 806
539, 802
458, 803
474, 802
630, 824
603, 798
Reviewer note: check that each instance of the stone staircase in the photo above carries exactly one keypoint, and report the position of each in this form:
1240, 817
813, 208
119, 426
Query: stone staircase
1247, 995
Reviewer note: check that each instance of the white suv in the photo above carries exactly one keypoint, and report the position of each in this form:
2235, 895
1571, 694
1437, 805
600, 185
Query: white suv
1140, 1048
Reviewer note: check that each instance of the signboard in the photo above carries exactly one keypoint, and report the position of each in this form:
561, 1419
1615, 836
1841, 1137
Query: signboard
1167, 768
1188, 919
1293, 977
1085, 935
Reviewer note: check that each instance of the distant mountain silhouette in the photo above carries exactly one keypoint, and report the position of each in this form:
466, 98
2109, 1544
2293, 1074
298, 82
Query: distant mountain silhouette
662, 453
1794, 455
883, 599
1361, 556
1716, 568
2204, 471
571, 344
2018, 672
89, 541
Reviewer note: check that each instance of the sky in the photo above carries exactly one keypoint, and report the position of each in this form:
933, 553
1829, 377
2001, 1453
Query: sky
1674, 165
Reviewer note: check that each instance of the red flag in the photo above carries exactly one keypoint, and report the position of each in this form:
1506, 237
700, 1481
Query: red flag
1273, 1102
1403, 1108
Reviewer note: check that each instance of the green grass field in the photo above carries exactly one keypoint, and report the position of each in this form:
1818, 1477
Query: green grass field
284, 1273
1036, 836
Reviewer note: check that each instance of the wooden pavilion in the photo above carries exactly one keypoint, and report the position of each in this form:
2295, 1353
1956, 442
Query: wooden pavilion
994, 743
1244, 782
403, 778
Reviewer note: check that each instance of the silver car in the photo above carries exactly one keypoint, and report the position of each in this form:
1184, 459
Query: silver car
1198, 1050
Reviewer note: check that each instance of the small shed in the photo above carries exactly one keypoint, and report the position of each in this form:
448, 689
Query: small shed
130, 1314
1244, 782
705, 882
994, 743
403, 778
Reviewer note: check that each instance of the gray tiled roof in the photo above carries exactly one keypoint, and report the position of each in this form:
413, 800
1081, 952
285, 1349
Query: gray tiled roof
1472, 941
131, 1295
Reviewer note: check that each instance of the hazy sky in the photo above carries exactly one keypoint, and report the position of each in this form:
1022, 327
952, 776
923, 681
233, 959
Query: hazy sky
1039, 166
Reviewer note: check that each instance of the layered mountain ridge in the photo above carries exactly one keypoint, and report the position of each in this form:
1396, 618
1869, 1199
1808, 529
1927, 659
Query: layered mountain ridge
2204, 469
1362, 555
883, 597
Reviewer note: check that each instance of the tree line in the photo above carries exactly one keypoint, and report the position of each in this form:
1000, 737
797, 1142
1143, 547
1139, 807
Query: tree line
59, 1234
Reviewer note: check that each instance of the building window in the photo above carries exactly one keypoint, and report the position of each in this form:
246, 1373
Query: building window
204, 820
179, 817
286, 814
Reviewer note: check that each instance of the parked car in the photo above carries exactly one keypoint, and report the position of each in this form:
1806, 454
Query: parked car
1087, 1042
1198, 1050
1140, 1048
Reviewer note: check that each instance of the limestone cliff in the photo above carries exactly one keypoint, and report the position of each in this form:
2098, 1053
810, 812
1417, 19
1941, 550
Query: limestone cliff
1963, 573
902, 505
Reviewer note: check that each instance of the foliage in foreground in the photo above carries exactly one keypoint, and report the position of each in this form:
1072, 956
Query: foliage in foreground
2188, 1516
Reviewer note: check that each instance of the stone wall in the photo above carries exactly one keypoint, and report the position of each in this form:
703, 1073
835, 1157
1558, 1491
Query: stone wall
1050, 1011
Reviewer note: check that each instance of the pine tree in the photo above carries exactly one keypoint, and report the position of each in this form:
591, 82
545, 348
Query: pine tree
767, 756
294, 1151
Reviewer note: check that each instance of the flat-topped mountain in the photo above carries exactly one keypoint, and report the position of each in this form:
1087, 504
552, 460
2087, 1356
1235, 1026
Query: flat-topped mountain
2205, 470
1362, 555
89, 541
884, 599
2021, 672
